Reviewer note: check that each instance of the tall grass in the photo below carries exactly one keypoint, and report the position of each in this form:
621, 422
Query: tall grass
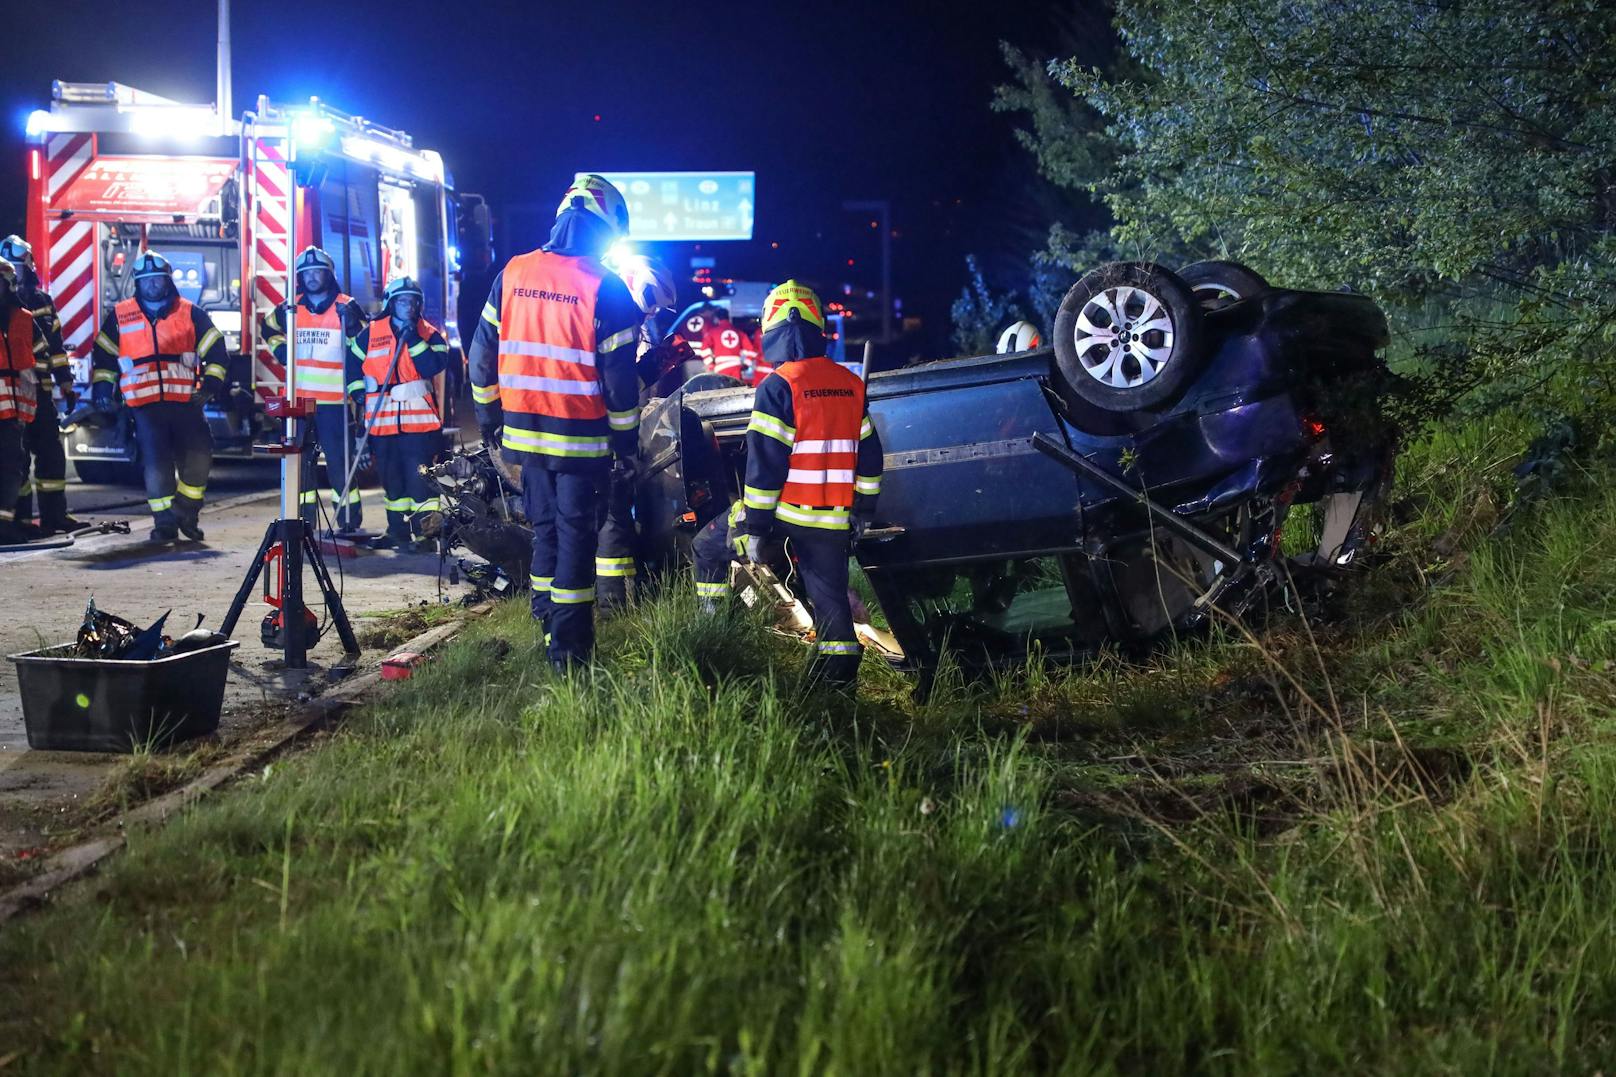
1380, 845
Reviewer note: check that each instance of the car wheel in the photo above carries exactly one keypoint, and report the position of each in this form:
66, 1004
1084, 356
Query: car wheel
1217, 284
1127, 336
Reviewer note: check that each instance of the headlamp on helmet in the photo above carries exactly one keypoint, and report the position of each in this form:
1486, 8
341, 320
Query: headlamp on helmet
649, 282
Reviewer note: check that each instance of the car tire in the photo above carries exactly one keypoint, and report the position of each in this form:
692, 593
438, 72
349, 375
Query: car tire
1217, 284
1127, 336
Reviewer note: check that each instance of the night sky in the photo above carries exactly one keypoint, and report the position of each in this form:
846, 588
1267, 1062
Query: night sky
826, 102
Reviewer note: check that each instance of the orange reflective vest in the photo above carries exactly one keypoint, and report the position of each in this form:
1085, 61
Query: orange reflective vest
547, 356
17, 363
320, 350
156, 366
827, 401
405, 403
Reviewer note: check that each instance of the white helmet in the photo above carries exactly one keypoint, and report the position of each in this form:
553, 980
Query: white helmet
1019, 337
596, 195
17, 251
649, 282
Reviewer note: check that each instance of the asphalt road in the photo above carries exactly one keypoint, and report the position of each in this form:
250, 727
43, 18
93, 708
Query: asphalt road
229, 478
43, 594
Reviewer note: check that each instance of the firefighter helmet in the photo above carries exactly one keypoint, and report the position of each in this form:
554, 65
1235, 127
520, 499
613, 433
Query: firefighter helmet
790, 298
1020, 336
597, 195
649, 282
315, 258
17, 251
152, 264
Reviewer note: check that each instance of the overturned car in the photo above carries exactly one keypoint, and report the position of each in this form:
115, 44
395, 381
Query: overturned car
1125, 485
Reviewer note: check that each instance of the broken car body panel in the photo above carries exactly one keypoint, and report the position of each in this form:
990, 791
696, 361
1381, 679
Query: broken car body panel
986, 545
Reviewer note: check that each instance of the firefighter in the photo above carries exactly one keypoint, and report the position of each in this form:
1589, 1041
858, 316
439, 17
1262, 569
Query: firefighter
22, 352
401, 353
652, 288
553, 378
148, 350
813, 470
327, 372
42, 439
713, 548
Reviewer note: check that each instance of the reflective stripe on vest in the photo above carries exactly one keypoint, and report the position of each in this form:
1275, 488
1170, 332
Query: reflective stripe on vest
405, 404
547, 340
319, 352
17, 364
827, 400
160, 367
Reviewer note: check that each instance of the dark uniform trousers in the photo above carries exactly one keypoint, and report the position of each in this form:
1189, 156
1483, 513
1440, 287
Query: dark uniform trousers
399, 458
563, 508
712, 551
331, 431
615, 570
176, 452
42, 440
13, 460
821, 561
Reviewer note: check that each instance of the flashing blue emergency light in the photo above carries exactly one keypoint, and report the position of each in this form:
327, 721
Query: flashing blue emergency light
38, 123
311, 131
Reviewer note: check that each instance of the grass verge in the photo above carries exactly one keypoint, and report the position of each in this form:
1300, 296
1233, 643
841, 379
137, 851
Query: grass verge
1378, 842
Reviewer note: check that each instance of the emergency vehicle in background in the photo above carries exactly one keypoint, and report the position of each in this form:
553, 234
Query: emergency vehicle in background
113, 171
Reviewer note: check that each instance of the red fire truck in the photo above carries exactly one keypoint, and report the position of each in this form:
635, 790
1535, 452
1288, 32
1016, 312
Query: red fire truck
113, 171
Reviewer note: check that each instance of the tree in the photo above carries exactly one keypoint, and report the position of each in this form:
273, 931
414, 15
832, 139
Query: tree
979, 314
1437, 155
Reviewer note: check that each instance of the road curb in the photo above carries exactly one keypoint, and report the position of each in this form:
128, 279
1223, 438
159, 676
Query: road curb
77, 861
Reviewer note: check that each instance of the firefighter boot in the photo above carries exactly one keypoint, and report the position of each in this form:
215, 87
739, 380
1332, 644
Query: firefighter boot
188, 516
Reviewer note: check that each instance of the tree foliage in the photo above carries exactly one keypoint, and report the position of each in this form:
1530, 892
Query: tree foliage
1395, 146
1452, 159
980, 313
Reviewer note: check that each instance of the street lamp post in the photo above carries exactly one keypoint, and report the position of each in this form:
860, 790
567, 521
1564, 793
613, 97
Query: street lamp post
883, 207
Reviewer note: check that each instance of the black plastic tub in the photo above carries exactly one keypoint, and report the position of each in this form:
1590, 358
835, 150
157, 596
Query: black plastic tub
106, 705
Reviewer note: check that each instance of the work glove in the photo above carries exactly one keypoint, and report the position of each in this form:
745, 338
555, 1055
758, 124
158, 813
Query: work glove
491, 435
758, 549
70, 400
203, 395
104, 395
625, 469
860, 524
